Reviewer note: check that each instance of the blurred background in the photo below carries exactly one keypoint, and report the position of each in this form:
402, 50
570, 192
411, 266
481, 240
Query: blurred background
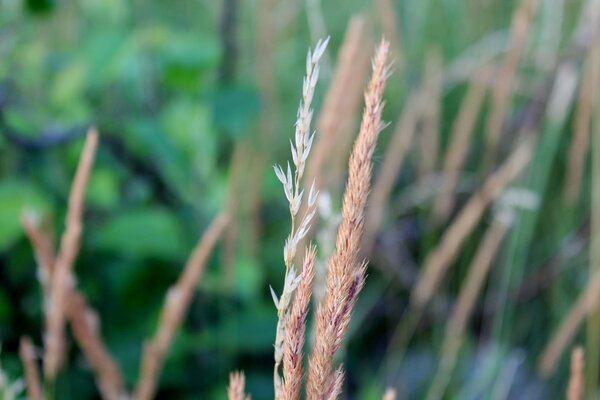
485, 166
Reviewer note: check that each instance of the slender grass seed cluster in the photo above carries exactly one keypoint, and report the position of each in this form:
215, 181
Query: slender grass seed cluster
292, 181
346, 271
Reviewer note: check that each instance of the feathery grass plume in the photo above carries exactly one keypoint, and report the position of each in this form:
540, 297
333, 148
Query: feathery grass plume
237, 387
444, 254
389, 171
346, 273
462, 310
575, 388
430, 113
32, 374
343, 97
462, 130
581, 124
585, 303
295, 330
390, 394
175, 306
62, 280
84, 320
86, 330
336, 384
294, 191
505, 76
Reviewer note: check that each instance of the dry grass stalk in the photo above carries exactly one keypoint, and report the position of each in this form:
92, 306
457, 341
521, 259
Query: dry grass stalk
592, 348
174, 308
462, 130
470, 290
346, 273
62, 281
581, 124
84, 320
294, 191
569, 326
501, 91
295, 330
86, 330
444, 254
343, 97
395, 153
576, 385
387, 17
43, 248
390, 394
32, 374
430, 109
237, 387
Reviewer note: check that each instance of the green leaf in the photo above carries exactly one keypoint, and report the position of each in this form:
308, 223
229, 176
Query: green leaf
16, 196
144, 233
103, 189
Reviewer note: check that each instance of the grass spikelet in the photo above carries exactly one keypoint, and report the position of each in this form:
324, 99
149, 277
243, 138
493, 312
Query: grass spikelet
174, 309
62, 280
295, 330
237, 387
346, 272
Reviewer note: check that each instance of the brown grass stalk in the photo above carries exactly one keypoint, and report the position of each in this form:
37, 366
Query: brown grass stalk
444, 254
43, 246
295, 330
576, 382
462, 310
462, 131
174, 308
430, 113
346, 272
581, 124
505, 76
31, 371
62, 281
592, 348
84, 320
343, 97
237, 387
86, 330
389, 171
569, 326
